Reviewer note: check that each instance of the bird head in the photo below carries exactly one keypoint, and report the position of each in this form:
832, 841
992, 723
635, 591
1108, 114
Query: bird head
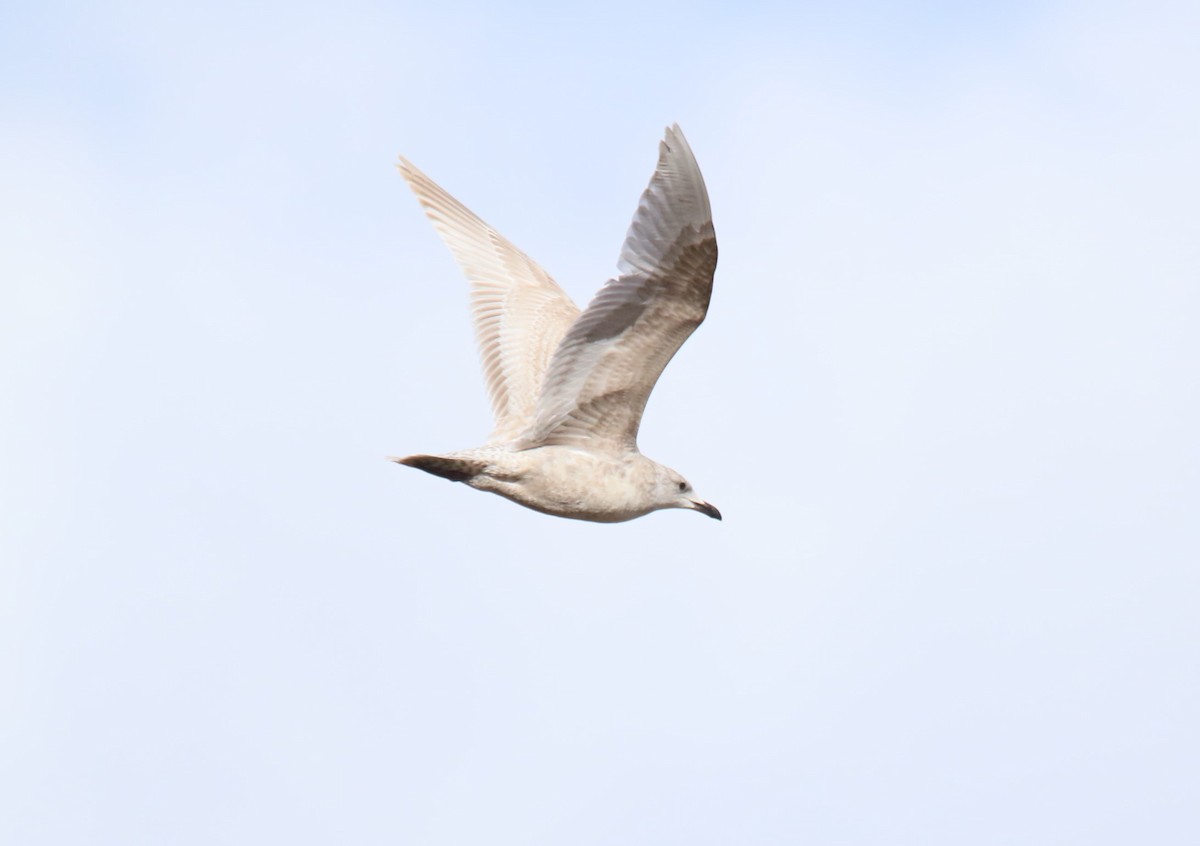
674, 491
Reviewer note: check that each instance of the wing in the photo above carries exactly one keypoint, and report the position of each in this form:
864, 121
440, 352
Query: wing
607, 365
520, 313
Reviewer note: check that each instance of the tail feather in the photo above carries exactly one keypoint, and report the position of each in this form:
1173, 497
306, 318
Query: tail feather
454, 469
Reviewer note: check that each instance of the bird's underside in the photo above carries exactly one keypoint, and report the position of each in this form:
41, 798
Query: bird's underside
568, 388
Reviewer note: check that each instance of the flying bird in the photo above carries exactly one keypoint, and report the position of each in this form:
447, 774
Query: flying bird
567, 387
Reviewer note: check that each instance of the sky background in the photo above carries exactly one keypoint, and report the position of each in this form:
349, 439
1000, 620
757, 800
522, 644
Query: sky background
947, 399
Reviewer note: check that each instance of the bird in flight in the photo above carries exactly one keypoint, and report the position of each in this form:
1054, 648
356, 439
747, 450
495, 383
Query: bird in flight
568, 387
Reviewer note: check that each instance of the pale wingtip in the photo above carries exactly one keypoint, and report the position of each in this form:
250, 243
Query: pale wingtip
411, 173
674, 145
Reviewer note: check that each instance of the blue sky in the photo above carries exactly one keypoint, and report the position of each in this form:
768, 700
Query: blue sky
945, 398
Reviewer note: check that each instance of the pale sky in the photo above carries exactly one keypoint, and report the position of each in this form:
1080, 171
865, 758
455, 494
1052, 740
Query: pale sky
946, 399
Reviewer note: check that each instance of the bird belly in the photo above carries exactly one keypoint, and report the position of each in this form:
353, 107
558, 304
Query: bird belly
566, 482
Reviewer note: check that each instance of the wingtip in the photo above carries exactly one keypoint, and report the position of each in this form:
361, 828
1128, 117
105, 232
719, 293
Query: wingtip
412, 174
675, 143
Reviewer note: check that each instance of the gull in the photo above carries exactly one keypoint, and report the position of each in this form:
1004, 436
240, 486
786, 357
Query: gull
567, 387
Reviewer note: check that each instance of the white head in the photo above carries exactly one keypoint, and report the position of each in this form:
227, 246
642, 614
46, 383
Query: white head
673, 491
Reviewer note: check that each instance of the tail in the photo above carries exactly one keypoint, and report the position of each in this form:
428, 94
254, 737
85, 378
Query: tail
454, 469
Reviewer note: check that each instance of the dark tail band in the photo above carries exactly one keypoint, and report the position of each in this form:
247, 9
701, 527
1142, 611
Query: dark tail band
454, 469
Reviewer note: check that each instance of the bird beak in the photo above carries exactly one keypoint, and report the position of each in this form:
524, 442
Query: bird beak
706, 508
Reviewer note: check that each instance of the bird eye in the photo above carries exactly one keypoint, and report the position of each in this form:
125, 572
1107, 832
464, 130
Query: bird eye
683, 486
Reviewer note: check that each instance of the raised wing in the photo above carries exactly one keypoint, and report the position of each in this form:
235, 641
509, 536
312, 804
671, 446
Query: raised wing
604, 370
520, 313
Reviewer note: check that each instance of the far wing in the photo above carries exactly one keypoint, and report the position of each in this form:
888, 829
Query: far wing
608, 363
520, 313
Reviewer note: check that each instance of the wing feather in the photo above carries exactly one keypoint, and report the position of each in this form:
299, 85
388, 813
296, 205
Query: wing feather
600, 377
520, 313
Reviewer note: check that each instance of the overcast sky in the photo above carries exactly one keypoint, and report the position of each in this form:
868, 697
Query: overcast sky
946, 399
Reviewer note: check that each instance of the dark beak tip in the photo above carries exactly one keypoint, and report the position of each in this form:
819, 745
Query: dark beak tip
709, 509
